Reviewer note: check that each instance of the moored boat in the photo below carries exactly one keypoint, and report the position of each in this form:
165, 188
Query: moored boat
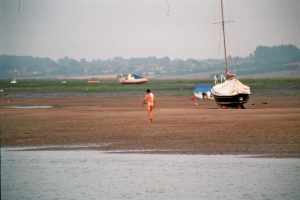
202, 91
132, 79
14, 81
231, 92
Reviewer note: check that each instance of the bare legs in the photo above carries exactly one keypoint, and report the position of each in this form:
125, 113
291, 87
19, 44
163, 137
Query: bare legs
150, 115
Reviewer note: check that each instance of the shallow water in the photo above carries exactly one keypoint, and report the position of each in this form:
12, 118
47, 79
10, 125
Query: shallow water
98, 175
28, 107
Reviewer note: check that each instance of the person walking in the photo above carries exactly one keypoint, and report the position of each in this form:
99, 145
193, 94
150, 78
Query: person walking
149, 99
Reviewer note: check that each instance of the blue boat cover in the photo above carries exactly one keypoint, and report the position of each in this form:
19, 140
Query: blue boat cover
137, 76
202, 88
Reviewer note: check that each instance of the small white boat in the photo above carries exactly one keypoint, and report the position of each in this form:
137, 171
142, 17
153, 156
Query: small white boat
202, 91
14, 81
132, 79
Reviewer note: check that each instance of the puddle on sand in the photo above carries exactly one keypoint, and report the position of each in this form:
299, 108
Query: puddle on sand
28, 107
79, 147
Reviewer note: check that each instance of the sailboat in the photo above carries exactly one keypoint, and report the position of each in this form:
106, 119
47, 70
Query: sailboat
230, 92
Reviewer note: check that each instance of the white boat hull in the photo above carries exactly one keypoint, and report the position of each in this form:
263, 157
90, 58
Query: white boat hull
133, 81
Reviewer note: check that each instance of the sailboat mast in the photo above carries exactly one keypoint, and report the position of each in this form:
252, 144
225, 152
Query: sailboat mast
224, 40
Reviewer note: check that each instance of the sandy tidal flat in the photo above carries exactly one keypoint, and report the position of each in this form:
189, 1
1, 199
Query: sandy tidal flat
268, 125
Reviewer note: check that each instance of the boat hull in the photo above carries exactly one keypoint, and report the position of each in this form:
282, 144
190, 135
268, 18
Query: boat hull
232, 101
132, 83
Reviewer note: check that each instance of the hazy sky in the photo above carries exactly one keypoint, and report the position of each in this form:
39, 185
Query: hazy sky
139, 28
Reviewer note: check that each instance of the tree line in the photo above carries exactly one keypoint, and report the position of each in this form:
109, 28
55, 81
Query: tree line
263, 59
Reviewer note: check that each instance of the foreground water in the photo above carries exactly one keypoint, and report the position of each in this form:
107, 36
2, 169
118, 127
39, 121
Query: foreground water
97, 175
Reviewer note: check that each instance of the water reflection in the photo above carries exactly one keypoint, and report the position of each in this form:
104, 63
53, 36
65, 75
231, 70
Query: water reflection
97, 175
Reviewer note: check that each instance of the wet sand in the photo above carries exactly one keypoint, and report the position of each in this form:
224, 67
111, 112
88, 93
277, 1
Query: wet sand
268, 126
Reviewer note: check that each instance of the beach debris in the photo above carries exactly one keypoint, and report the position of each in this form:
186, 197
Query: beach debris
93, 81
193, 98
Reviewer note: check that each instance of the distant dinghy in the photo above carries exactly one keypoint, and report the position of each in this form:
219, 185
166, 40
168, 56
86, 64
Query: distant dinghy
132, 79
202, 91
14, 81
